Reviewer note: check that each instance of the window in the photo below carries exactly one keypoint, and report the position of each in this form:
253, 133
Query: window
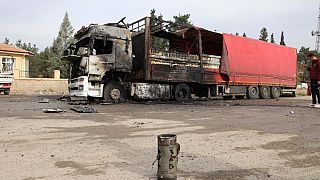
7, 64
103, 47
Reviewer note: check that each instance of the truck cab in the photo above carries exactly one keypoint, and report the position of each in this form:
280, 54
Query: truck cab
99, 61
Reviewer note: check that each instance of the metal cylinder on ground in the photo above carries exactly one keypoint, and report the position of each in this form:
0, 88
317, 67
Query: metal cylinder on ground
168, 150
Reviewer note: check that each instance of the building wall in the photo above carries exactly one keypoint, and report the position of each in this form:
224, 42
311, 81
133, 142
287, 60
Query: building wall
20, 66
39, 86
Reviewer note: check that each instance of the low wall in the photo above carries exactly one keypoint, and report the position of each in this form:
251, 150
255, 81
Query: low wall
39, 86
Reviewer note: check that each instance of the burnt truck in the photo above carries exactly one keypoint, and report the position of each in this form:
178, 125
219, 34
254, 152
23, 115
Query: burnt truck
157, 59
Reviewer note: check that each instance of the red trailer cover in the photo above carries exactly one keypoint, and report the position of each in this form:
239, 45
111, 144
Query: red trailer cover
249, 61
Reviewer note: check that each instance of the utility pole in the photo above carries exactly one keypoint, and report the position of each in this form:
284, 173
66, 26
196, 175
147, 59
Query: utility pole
316, 33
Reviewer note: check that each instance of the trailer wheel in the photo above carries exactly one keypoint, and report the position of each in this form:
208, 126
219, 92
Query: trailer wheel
264, 92
114, 92
253, 92
275, 92
182, 92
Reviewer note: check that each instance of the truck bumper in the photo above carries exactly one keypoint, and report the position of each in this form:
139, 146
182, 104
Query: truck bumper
81, 87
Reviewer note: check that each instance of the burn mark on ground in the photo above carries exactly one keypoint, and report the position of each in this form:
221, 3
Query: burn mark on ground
228, 174
33, 178
298, 153
79, 169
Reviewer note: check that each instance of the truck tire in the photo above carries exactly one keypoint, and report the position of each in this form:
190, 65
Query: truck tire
275, 92
264, 92
114, 92
182, 92
253, 92
6, 92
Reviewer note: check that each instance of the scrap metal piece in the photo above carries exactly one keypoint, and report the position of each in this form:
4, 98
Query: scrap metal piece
83, 109
44, 101
53, 110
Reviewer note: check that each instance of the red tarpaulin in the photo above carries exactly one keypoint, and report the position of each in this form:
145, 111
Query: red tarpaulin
254, 61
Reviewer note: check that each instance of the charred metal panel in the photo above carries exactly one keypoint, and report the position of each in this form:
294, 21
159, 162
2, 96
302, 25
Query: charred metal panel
175, 73
104, 30
99, 64
148, 48
123, 55
138, 50
150, 91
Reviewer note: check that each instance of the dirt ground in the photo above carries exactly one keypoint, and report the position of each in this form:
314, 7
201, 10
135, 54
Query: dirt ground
237, 139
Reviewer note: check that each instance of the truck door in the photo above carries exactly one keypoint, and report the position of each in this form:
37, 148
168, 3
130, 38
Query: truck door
103, 57
123, 55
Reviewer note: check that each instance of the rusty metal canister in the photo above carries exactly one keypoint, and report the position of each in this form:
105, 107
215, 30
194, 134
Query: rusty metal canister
168, 150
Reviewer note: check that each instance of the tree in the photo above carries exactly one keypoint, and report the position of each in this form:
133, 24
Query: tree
263, 34
272, 38
179, 22
65, 36
244, 35
26, 46
6, 41
64, 39
282, 39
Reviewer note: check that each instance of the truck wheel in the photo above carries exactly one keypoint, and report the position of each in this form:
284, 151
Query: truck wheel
253, 92
6, 92
275, 92
182, 92
114, 91
264, 92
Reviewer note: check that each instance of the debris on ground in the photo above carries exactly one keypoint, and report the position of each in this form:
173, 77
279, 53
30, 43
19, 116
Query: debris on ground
291, 112
106, 103
78, 102
53, 110
44, 101
64, 98
84, 109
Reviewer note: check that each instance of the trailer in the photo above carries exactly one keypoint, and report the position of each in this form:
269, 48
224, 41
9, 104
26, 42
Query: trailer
157, 59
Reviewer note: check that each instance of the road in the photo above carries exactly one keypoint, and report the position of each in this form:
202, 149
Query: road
237, 139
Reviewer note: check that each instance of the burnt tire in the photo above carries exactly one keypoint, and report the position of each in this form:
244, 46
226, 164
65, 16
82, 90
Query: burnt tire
264, 92
239, 96
182, 92
114, 92
275, 92
253, 92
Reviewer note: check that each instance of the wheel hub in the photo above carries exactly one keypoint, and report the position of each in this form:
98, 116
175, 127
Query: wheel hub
115, 94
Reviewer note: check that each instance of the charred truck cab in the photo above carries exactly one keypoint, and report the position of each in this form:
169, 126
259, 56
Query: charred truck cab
157, 59
100, 62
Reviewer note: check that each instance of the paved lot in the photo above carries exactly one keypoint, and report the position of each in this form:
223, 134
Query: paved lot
239, 139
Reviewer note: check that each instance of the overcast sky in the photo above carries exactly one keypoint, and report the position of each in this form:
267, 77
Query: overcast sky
38, 21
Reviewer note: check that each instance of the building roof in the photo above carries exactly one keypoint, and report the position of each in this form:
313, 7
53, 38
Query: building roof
6, 48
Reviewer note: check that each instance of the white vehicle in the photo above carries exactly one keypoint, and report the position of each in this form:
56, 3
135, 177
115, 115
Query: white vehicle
6, 77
